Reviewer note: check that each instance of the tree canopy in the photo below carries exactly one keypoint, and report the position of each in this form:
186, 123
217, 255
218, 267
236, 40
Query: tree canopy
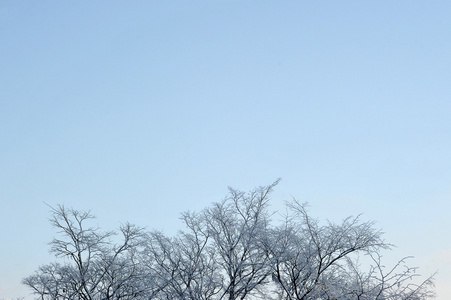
232, 249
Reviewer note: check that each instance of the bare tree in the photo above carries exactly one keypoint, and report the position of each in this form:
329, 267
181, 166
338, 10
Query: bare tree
183, 267
199, 272
94, 267
313, 261
237, 227
399, 282
230, 250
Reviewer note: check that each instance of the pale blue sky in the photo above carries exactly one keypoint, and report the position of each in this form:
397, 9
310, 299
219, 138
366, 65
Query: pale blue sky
139, 110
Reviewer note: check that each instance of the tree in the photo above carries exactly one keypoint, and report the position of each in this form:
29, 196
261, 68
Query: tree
94, 267
313, 261
230, 250
394, 284
183, 268
237, 226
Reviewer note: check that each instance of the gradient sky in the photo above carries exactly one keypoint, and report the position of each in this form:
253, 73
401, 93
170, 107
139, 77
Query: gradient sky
139, 110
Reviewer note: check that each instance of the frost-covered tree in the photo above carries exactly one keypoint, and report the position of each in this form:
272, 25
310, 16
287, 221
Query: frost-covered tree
93, 266
229, 250
314, 261
237, 227
182, 268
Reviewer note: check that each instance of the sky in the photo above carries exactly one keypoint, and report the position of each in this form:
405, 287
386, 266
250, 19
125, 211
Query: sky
140, 110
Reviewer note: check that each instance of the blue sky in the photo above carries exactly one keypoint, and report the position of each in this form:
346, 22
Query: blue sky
141, 110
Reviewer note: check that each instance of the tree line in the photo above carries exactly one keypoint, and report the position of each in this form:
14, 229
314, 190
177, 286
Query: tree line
231, 250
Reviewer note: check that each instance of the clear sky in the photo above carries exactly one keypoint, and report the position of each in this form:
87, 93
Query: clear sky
139, 110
